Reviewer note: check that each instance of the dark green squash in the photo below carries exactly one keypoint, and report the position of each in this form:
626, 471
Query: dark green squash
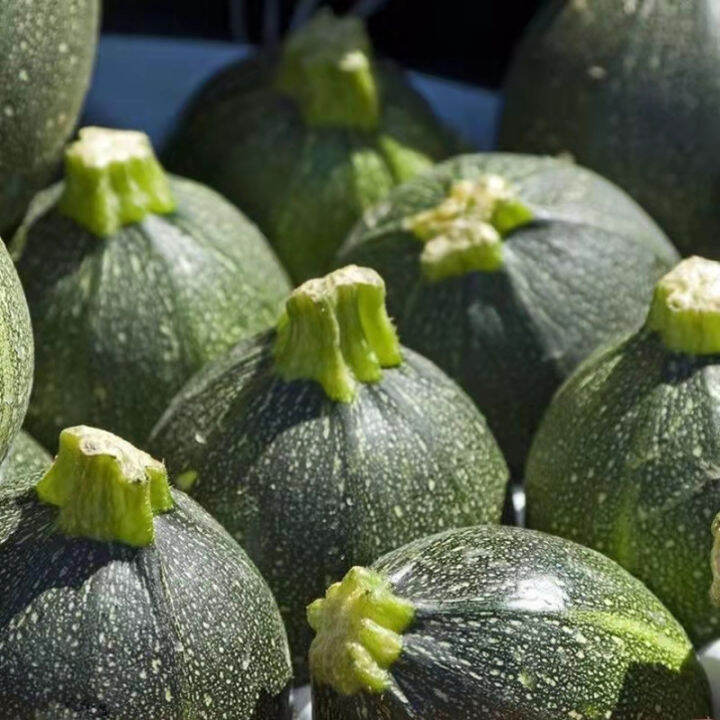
625, 460
630, 89
498, 623
25, 464
47, 49
324, 444
16, 353
304, 141
134, 281
510, 320
124, 599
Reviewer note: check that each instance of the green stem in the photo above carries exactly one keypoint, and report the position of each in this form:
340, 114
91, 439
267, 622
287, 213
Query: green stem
336, 330
685, 310
464, 233
715, 561
106, 489
326, 67
358, 625
112, 179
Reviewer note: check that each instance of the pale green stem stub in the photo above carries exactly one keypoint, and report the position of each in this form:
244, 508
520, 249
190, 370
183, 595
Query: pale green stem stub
464, 233
359, 626
326, 67
685, 310
105, 488
113, 179
715, 562
336, 330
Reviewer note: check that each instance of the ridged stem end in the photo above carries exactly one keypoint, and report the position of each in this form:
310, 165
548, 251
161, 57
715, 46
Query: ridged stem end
105, 488
685, 309
112, 179
336, 330
715, 562
326, 67
359, 626
465, 232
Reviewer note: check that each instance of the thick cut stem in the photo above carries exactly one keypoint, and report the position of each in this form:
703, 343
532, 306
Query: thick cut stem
336, 330
112, 179
464, 232
106, 489
358, 625
715, 561
326, 67
685, 309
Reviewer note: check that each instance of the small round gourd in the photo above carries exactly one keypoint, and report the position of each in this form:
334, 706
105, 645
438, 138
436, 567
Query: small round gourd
123, 598
16, 353
25, 463
324, 443
507, 271
306, 139
48, 50
497, 623
625, 458
135, 279
631, 90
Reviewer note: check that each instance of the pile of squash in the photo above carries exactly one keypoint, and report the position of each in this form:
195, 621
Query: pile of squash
264, 406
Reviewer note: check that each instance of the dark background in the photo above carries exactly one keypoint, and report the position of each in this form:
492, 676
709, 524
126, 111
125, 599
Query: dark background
470, 40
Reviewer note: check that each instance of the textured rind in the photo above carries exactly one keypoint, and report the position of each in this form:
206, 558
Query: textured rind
632, 90
515, 624
25, 464
311, 487
582, 273
626, 461
304, 186
16, 352
183, 629
122, 322
47, 50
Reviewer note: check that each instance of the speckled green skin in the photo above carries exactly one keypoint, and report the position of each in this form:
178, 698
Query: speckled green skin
25, 464
47, 49
626, 461
16, 352
311, 487
581, 274
632, 90
515, 624
304, 186
180, 630
122, 322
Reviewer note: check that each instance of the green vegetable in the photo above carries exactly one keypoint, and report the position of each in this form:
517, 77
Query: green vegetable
629, 89
499, 623
47, 49
25, 464
306, 139
324, 443
507, 271
16, 353
135, 280
123, 598
625, 460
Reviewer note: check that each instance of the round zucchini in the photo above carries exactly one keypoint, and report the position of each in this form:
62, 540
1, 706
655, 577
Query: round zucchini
625, 458
507, 271
631, 90
307, 139
134, 280
324, 443
499, 623
16, 353
25, 464
47, 49
123, 598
